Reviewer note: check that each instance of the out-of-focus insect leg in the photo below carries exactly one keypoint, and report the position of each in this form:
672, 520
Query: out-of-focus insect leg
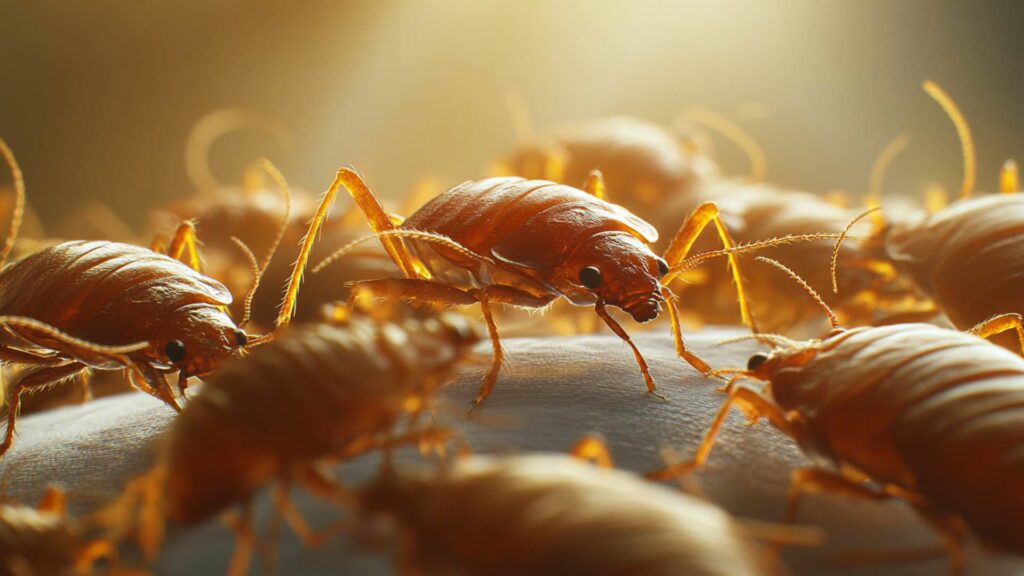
595, 184
1001, 323
54, 501
183, 245
309, 536
93, 552
677, 335
621, 333
241, 524
952, 531
35, 379
409, 289
376, 216
750, 400
593, 449
805, 480
325, 486
684, 239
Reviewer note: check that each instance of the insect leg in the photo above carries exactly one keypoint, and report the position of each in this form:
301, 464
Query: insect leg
593, 449
152, 382
751, 401
36, 379
376, 216
820, 480
1000, 323
595, 184
688, 233
183, 245
411, 290
621, 333
53, 501
309, 536
241, 524
93, 552
677, 335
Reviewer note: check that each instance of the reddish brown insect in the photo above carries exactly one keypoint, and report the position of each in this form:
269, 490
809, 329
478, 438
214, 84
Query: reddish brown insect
529, 242
43, 541
643, 164
317, 392
109, 306
968, 256
552, 514
929, 415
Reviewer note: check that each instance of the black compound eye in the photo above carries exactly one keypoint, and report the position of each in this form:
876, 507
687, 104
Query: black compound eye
590, 277
755, 361
240, 338
662, 268
175, 351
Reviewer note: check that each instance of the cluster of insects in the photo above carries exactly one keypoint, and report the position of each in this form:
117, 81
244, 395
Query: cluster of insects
321, 337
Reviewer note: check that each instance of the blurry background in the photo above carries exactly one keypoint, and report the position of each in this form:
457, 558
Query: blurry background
97, 97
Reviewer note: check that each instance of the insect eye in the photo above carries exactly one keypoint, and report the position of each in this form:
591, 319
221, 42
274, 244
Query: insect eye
240, 338
755, 361
590, 277
175, 351
662, 268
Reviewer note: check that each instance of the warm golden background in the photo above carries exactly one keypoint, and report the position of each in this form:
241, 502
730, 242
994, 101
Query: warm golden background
97, 97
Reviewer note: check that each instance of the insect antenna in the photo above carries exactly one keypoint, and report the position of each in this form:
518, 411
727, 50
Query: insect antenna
414, 234
817, 298
839, 243
58, 334
878, 170
773, 340
962, 130
256, 274
731, 131
698, 259
19, 201
211, 127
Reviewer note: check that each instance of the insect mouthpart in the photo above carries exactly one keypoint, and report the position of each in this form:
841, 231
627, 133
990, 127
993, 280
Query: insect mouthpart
644, 309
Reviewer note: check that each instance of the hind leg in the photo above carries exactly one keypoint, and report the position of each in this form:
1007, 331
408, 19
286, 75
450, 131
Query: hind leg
36, 379
998, 324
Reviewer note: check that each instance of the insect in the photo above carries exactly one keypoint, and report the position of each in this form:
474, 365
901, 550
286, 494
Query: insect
42, 540
319, 391
966, 256
110, 306
529, 242
926, 414
553, 514
644, 165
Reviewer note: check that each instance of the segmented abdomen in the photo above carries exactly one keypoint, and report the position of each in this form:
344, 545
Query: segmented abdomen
934, 410
105, 292
554, 515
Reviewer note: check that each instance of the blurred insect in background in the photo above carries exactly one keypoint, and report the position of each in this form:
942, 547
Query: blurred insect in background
527, 243
44, 541
317, 392
104, 305
553, 514
968, 256
912, 411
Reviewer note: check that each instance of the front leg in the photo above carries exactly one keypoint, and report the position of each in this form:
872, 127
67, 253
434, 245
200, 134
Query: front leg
621, 333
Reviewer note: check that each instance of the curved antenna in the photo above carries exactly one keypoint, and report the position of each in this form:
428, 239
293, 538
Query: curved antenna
878, 170
257, 273
732, 132
839, 243
697, 259
1009, 178
213, 126
286, 217
773, 340
817, 298
57, 333
415, 235
962, 130
19, 201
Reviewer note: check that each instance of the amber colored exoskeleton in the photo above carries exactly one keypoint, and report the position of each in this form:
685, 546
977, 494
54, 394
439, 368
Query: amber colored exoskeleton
552, 515
316, 392
527, 243
913, 411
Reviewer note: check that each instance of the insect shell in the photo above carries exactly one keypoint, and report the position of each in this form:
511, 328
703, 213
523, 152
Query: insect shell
550, 514
968, 257
315, 391
930, 414
643, 164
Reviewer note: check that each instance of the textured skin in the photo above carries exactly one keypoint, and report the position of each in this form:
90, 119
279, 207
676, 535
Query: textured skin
553, 515
934, 411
